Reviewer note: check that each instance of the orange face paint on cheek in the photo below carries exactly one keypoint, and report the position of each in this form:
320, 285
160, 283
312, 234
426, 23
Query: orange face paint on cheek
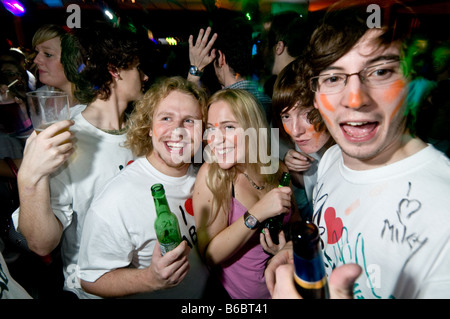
397, 108
286, 129
315, 135
392, 92
326, 104
326, 119
310, 129
155, 129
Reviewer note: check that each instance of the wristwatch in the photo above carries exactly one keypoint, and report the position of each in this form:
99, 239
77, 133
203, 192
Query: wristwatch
250, 221
195, 71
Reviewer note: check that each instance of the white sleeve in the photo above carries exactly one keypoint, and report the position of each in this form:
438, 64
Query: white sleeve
328, 158
61, 203
61, 199
105, 242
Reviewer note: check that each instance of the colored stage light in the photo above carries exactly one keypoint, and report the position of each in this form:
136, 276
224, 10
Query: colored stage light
15, 7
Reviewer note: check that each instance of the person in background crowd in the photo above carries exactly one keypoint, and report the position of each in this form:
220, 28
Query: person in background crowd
15, 119
301, 123
59, 62
231, 55
59, 176
382, 191
22, 59
201, 54
284, 38
235, 192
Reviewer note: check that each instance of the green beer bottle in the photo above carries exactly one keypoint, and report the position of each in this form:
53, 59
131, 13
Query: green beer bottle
275, 223
166, 223
310, 277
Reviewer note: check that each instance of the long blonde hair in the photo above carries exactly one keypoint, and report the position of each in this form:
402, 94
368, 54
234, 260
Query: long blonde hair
47, 32
248, 114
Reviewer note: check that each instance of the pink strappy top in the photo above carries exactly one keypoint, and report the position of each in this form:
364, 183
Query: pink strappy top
243, 274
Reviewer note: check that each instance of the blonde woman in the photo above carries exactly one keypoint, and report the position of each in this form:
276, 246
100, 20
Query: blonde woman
233, 196
55, 67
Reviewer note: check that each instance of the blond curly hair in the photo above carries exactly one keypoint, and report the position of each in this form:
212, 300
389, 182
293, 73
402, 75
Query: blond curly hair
141, 119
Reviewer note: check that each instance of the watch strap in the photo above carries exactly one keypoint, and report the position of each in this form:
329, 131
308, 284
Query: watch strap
193, 70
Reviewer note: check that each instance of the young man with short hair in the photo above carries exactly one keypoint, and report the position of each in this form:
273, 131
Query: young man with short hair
381, 200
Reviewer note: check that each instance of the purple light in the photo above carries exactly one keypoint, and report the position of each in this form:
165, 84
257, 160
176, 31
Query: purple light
15, 7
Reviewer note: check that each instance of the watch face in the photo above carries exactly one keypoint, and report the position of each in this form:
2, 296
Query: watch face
251, 221
193, 70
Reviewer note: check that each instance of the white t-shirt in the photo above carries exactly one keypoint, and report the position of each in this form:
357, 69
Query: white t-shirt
310, 176
394, 221
98, 156
119, 229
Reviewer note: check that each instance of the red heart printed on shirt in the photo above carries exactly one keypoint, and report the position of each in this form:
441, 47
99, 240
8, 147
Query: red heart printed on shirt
188, 206
334, 226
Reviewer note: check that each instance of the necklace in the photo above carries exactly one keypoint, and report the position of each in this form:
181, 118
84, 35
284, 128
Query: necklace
116, 132
253, 183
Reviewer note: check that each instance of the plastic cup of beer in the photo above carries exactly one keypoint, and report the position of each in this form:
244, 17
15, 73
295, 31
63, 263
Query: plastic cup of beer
47, 108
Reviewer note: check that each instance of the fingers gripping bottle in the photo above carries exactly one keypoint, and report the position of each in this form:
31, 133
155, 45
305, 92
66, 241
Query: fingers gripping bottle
275, 223
166, 223
310, 277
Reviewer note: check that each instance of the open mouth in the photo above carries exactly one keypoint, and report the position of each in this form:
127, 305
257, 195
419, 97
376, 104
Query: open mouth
175, 147
359, 131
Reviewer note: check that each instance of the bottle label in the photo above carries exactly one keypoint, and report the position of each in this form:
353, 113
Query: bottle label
309, 274
167, 247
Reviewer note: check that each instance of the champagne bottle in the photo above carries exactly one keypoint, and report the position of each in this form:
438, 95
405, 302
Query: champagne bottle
275, 223
310, 277
166, 223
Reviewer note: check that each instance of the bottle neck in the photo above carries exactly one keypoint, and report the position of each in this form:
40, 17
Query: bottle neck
161, 205
285, 180
306, 240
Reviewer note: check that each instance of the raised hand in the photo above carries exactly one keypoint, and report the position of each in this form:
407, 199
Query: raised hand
200, 53
44, 153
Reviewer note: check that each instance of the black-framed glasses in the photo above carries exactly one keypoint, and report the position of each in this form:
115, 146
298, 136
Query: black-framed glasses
372, 76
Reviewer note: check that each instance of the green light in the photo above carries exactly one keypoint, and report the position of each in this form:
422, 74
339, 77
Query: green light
248, 16
171, 41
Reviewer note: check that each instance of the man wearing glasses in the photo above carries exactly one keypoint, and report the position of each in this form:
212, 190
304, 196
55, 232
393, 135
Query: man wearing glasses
381, 200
